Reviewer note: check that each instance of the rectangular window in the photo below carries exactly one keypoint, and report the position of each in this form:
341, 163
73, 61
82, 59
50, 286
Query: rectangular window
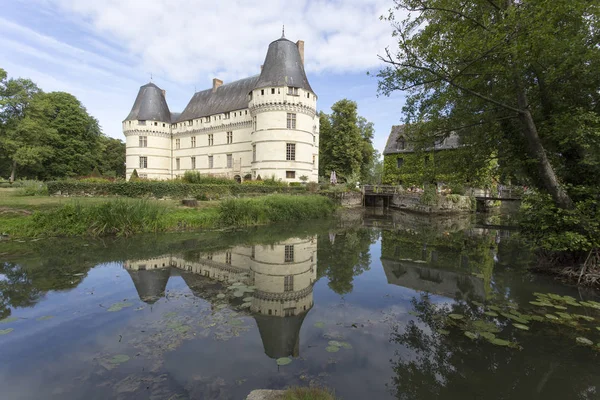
292, 91
227, 115
211, 139
193, 162
289, 253
177, 143
253, 152
207, 119
399, 162
191, 123
228, 257
193, 141
290, 151
262, 92
291, 121
177, 163
142, 122
210, 162
229, 137
288, 283
143, 141
290, 174
229, 160
314, 160
272, 90
254, 123
143, 162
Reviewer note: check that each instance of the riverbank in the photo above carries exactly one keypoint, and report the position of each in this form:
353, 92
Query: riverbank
43, 216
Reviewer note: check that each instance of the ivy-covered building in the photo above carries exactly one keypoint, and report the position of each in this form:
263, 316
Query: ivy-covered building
447, 161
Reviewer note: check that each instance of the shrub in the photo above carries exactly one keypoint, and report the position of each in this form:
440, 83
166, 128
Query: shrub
196, 177
32, 188
457, 188
134, 176
429, 196
295, 184
95, 173
312, 187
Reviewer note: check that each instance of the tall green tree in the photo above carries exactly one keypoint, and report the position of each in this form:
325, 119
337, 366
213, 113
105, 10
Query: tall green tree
112, 157
346, 145
514, 78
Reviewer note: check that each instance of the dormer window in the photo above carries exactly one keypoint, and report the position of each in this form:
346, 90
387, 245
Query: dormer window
401, 143
292, 91
142, 122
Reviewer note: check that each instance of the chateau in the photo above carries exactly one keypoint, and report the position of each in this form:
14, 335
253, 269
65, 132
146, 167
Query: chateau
255, 128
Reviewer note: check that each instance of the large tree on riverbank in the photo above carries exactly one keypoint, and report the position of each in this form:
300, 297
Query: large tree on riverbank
517, 80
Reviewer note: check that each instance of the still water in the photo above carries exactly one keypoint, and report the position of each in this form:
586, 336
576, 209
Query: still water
389, 306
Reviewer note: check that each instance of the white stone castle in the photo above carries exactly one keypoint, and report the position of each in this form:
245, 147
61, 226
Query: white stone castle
259, 127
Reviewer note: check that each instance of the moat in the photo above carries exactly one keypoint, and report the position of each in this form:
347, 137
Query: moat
382, 305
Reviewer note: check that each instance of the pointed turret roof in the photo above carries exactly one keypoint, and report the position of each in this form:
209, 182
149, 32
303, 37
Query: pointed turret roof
280, 335
150, 105
283, 66
150, 284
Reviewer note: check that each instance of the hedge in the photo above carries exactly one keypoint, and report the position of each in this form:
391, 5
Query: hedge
160, 189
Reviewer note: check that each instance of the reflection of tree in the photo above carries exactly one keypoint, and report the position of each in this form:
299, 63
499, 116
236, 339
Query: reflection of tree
16, 289
435, 366
344, 256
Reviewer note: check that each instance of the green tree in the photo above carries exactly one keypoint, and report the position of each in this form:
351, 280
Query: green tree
367, 131
325, 143
112, 157
21, 136
513, 78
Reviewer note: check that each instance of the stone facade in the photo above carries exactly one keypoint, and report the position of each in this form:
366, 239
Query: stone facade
259, 127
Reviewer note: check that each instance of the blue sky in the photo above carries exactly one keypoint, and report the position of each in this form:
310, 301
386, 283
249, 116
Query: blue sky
103, 51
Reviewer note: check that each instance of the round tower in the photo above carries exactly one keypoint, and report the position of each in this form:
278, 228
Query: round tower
285, 127
147, 131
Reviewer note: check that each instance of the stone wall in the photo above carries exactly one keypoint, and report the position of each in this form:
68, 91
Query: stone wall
443, 205
345, 199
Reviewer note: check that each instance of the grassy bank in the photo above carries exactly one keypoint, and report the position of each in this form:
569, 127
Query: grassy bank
125, 217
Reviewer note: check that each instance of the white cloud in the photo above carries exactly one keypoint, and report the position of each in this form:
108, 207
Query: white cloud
191, 41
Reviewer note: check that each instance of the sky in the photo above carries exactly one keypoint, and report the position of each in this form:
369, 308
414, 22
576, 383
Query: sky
102, 51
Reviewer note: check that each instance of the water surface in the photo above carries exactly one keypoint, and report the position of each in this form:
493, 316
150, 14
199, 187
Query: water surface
361, 306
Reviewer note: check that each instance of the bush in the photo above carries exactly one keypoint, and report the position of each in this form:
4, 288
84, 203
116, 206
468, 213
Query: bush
32, 188
134, 176
196, 177
312, 187
161, 189
95, 173
457, 188
429, 196
295, 184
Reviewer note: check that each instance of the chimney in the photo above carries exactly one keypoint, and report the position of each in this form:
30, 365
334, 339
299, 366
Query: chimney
300, 45
164, 93
216, 84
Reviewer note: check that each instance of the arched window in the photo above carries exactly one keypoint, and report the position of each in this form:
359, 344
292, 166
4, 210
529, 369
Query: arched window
401, 143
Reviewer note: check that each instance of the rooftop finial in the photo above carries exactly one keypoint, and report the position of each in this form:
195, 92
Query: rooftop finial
283, 31
150, 76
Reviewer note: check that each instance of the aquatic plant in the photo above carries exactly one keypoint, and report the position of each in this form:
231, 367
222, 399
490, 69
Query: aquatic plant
308, 393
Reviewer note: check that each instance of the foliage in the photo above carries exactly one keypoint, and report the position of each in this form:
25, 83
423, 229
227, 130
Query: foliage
549, 227
312, 187
134, 176
161, 189
275, 208
33, 188
95, 173
429, 196
197, 177
499, 75
345, 144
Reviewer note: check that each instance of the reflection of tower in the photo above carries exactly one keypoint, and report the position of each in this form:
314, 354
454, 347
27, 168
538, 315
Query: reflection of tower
150, 277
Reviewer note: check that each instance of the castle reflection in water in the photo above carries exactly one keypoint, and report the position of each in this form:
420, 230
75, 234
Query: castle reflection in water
282, 274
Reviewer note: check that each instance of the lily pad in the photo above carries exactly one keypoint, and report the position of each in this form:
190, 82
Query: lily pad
119, 359
487, 335
6, 331
456, 316
521, 326
119, 306
236, 322
560, 307
238, 294
221, 296
564, 315
470, 335
485, 326
495, 308
284, 361
445, 332
319, 324
499, 342
346, 345
332, 349
583, 317
248, 299
246, 305
45, 317
540, 304
537, 318
584, 341
7, 320
552, 317
491, 313
335, 343
478, 304
220, 306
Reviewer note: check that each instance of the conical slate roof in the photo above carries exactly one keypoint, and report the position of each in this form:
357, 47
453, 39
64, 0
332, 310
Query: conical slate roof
150, 105
150, 284
280, 335
283, 67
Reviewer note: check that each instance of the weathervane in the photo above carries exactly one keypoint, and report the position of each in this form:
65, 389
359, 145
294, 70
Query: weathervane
150, 76
283, 31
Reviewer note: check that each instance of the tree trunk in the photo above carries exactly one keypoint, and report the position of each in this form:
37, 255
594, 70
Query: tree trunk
13, 172
536, 149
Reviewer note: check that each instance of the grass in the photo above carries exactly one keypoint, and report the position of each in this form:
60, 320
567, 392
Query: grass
308, 393
41, 216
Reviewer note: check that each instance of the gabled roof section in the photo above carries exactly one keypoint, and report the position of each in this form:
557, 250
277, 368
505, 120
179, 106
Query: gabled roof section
283, 67
394, 142
150, 105
227, 97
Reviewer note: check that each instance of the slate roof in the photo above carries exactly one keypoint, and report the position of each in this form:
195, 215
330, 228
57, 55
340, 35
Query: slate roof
393, 145
283, 67
150, 284
280, 335
150, 105
227, 97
